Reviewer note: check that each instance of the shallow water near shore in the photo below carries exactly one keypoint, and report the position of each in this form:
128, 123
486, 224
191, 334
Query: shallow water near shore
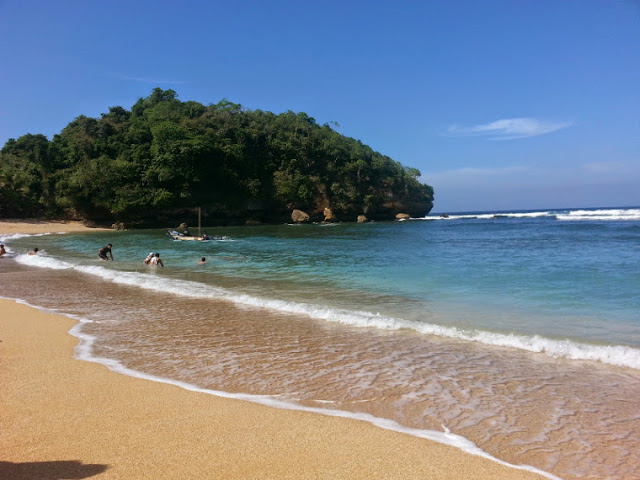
518, 331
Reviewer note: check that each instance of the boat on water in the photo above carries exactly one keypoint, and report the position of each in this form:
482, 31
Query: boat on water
175, 235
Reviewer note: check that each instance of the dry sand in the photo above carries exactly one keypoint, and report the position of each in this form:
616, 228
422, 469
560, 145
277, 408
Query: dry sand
65, 418
26, 225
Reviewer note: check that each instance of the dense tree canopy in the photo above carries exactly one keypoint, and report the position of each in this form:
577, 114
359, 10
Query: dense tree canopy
166, 155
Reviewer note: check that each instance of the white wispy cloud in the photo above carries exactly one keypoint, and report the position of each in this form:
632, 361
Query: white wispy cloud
508, 128
603, 167
152, 81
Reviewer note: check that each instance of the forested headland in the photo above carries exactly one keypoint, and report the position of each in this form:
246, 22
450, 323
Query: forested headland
153, 164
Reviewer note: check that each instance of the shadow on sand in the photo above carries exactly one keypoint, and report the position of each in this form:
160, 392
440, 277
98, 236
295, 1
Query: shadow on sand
65, 469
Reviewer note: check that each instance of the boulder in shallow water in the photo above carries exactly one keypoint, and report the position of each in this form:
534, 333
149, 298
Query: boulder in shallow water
362, 219
402, 216
299, 216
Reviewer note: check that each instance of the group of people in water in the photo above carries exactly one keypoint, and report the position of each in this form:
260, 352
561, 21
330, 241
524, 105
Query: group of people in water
106, 253
3, 250
152, 259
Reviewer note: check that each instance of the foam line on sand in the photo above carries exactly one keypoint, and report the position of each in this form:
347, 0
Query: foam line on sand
79, 419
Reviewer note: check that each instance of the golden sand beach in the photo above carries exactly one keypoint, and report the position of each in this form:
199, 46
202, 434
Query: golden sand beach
65, 418
31, 226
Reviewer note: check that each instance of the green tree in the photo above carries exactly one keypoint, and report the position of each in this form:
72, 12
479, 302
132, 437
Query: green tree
165, 155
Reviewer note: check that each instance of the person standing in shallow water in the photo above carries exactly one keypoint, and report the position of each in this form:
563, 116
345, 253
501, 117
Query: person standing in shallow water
102, 253
155, 260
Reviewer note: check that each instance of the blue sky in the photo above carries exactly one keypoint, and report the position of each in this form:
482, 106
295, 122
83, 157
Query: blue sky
500, 104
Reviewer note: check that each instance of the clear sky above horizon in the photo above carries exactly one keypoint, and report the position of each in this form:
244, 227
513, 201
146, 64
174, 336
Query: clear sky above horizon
501, 105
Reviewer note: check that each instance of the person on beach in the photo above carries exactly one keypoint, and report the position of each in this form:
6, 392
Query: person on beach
202, 261
102, 253
34, 251
2, 250
148, 259
155, 261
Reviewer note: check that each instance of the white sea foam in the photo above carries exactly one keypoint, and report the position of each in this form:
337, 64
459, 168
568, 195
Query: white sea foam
224, 238
600, 215
44, 261
618, 355
488, 216
609, 214
15, 236
84, 351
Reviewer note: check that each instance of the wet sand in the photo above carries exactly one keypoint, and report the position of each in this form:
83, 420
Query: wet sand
65, 418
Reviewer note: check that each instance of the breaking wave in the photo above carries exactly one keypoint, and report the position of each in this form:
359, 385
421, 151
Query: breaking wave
618, 355
605, 214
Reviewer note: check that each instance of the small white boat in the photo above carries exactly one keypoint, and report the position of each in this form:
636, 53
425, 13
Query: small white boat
175, 235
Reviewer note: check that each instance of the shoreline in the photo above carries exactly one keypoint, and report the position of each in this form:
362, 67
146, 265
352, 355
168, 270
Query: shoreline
80, 418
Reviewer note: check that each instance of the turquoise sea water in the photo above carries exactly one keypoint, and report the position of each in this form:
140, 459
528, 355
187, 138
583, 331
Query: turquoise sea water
433, 323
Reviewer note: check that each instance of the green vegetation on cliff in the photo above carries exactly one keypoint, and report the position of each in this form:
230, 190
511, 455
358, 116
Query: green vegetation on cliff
166, 156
